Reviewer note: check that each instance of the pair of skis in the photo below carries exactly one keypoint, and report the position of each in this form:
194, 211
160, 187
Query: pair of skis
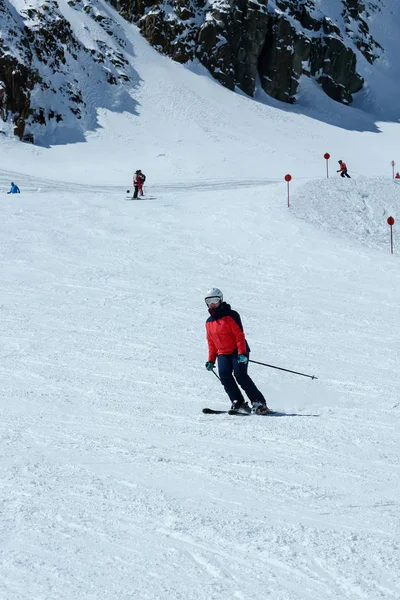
141, 198
211, 411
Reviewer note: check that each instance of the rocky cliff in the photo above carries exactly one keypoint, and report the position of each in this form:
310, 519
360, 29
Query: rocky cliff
242, 42
46, 64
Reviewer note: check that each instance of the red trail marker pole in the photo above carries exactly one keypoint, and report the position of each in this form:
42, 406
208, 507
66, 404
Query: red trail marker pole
327, 157
288, 178
390, 221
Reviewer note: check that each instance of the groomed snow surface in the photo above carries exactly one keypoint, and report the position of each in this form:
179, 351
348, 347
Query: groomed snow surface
114, 485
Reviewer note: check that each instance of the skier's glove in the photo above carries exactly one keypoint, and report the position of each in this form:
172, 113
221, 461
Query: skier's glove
210, 365
242, 358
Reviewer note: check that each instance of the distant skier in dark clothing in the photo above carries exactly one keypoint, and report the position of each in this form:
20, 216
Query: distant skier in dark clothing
343, 169
138, 182
14, 189
227, 344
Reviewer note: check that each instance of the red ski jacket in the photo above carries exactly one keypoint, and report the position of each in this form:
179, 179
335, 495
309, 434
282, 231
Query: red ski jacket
225, 332
343, 166
139, 179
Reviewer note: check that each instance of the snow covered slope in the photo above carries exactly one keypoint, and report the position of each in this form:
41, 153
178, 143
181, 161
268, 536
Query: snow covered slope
188, 127
62, 62
114, 484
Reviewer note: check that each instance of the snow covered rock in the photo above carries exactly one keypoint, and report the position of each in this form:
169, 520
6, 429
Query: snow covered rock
240, 41
61, 62
58, 65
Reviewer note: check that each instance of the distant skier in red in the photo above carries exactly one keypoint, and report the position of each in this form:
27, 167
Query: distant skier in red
343, 169
138, 182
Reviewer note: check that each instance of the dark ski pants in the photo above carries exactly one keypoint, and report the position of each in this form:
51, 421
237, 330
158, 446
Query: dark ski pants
138, 188
230, 372
345, 174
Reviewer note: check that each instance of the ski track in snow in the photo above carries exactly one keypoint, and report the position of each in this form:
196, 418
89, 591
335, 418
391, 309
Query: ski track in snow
114, 483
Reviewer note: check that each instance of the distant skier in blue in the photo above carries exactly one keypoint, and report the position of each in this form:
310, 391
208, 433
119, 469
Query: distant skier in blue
14, 189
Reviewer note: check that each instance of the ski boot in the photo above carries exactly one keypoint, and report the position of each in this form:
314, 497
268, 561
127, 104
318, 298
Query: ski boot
259, 407
240, 406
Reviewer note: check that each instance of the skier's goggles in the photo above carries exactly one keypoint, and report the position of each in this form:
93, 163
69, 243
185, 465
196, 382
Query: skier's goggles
213, 300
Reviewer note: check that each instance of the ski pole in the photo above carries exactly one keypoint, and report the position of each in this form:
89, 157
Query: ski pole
216, 375
282, 369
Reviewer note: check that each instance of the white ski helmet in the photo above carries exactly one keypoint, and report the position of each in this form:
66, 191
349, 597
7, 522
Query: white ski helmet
214, 293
